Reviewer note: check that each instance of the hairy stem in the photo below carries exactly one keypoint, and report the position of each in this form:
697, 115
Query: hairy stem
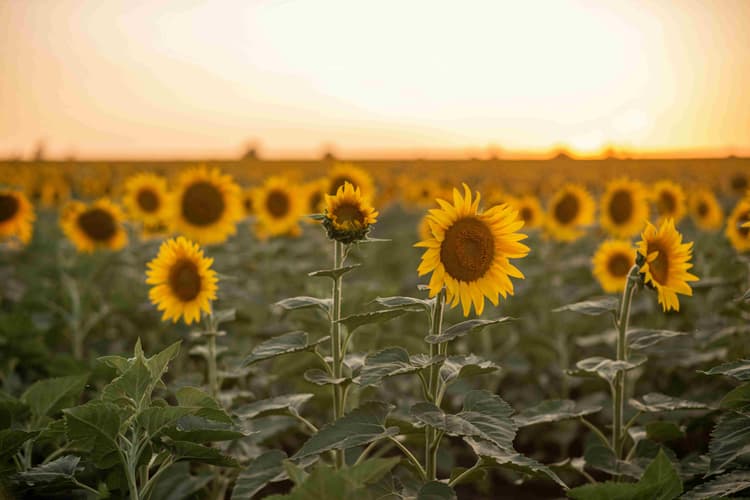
619, 385
336, 341
432, 440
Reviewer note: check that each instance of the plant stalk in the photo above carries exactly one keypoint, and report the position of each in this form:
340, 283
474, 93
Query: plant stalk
336, 341
213, 380
619, 384
432, 438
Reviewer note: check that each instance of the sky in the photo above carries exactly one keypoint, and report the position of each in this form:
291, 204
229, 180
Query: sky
144, 79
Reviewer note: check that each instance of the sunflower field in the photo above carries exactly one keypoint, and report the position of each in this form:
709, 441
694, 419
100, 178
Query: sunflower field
392, 330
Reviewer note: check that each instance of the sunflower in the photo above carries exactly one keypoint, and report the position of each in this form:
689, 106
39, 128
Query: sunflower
669, 199
420, 193
666, 260
357, 177
624, 208
570, 209
705, 210
94, 226
145, 199
248, 195
529, 210
16, 216
206, 205
468, 251
278, 207
348, 215
183, 282
314, 198
612, 262
739, 183
52, 190
737, 230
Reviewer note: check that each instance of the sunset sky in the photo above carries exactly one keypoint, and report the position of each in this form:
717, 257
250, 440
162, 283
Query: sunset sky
403, 78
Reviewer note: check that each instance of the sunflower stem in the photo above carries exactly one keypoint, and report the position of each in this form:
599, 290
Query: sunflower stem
336, 341
620, 381
432, 440
211, 333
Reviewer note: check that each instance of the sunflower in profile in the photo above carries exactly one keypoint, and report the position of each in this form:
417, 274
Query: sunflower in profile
737, 230
623, 208
183, 283
569, 211
357, 177
706, 210
670, 201
278, 208
468, 251
348, 215
612, 262
666, 260
206, 205
145, 199
16, 216
314, 198
94, 226
529, 210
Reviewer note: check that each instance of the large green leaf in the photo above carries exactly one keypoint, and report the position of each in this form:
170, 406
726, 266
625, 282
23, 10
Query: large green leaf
132, 387
283, 344
61, 469
656, 402
202, 404
552, 410
50, 396
267, 468
464, 328
94, 427
288, 403
730, 440
606, 368
660, 481
435, 490
177, 482
12, 410
458, 367
723, 486
484, 415
192, 452
738, 398
158, 419
593, 307
356, 320
641, 338
360, 426
158, 363
509, 458
319, 377
11, 441
390, 362
739, 369
408, 303
305, 302
200, 430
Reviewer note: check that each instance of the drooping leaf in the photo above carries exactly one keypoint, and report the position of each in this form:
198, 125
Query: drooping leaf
464, 328
593, 307
201, 404
484, 415
723, 486
356, 320
48, 397
61, 469
94, 427
360, 426
288, 403
553, 410
606, 368
333, 273
730, 440
656, 402
192, 452
283, 344
319, 377
458, 367
408, 303
305, 302
435, 490
510, 458
739, 370
641, 338
388, 362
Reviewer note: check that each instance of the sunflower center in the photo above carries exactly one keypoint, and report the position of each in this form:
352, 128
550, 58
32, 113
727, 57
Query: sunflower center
527, 214
8, 207
745, 217
185, 280
98, 224
147, 200
248, 204
349, 212
739, 183
702, 208
660, 266
277, 203
202, 204
468, 249
338, 182
621, 207
566, 209
618, 265
667, 203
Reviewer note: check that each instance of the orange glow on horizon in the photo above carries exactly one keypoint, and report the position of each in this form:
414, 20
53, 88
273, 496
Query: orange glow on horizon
156, 80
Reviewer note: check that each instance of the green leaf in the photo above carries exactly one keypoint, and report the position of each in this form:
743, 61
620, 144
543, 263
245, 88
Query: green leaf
388, 362
459, 367
224, 316
593, 307
552, 410
62, 469
192, 452
356, 320
484, 415
304, 302
319, 377
601, 457
663, 431
131, 387
656, 402
283, 344
723, 486
738, 398
660, 481
289, 403
360, 426
118, 363
606, 368
408, 303
739, 370
12, 410
201, 404
463, 328
50, 396
435, 490
157, 419
333, 273
507, 457
158, 363
641, 339
200, 430
11, 441
264, 469
94, 428
730, 440
177, 483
